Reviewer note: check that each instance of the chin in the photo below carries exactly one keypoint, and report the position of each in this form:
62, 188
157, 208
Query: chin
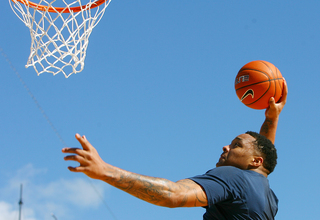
220, 163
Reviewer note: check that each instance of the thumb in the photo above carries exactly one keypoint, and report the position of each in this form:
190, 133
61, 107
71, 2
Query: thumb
272, 101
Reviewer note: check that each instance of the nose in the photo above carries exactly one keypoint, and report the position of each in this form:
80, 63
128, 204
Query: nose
226, 148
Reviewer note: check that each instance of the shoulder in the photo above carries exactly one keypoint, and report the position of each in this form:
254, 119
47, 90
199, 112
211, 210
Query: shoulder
225, 169
226, 176
227, 172
222, 184
229, 177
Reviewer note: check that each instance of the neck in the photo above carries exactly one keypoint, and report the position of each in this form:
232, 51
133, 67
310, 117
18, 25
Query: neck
262, 171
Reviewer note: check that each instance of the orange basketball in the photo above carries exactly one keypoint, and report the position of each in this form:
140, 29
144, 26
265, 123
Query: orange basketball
257, 82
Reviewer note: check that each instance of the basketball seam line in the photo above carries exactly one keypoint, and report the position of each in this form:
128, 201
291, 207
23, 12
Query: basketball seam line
269, 80
273, 74
266, 74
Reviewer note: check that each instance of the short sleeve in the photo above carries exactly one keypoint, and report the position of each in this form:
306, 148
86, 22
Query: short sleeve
216, 185
233, 193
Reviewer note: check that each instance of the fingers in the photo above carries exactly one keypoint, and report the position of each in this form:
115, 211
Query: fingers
272, 102
84, 142
283, 98
79, 155
284, 92
77, 151
87, 156
77, 169
76, 158
71, 150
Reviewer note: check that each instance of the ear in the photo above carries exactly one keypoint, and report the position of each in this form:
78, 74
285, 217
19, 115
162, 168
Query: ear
256, 162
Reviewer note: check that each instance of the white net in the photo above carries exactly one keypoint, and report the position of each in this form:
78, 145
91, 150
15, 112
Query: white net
59, 40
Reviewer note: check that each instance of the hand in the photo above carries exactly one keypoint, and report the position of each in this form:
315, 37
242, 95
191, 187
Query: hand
91, 163
158, 191
274, 109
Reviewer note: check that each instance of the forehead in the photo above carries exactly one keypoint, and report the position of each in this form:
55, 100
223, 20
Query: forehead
245, 139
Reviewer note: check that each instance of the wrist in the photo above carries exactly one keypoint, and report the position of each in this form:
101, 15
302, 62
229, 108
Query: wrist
272, 118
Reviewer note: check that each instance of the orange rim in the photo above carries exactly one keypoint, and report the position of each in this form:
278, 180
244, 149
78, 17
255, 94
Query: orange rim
60, 9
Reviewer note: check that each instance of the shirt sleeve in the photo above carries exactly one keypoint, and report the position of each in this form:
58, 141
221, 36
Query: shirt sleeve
216, 185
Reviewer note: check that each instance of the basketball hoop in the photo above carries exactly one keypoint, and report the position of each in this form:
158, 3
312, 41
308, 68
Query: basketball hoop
59, 35
59, 9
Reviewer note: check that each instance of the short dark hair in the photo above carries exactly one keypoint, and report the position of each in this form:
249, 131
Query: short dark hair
267, 148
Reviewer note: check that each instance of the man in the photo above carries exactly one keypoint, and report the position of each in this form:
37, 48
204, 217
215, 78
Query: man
236, 189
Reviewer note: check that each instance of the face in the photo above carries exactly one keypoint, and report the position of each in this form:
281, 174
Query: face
240, 153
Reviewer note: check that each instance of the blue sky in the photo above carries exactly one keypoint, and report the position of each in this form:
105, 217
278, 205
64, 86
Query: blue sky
157, 98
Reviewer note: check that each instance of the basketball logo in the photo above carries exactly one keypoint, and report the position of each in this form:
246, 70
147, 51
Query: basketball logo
247, 93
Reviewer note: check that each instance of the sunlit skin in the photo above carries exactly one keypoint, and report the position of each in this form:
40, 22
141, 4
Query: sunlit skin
158, 191
269, 126
241, 153
183, 193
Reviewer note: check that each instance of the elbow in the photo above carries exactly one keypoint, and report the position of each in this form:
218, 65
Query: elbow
173, 201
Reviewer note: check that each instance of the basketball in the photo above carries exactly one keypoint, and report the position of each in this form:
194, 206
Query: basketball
258, 81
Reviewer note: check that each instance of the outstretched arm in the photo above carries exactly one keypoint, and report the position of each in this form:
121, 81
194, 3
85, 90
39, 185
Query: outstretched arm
269, 126
158, 191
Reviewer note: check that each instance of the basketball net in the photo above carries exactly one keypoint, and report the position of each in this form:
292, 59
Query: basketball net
59, 35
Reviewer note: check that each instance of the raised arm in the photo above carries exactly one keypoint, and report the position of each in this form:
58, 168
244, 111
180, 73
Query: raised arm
158, 191
270, 124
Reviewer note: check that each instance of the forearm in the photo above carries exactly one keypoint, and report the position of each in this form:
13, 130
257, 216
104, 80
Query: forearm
154, 190
157, 191
269, 128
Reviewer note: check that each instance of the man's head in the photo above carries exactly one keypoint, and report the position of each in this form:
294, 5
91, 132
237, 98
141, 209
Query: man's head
250, 151
267, 149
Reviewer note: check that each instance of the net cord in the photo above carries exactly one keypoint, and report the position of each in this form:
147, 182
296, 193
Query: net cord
67, 45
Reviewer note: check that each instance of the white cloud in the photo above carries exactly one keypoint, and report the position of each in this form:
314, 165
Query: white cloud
41, 199
8, 212
77, 191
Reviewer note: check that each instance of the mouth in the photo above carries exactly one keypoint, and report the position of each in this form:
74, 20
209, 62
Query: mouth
221, 159
222, 156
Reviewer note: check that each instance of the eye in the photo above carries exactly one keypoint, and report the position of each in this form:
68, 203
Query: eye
237, 144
